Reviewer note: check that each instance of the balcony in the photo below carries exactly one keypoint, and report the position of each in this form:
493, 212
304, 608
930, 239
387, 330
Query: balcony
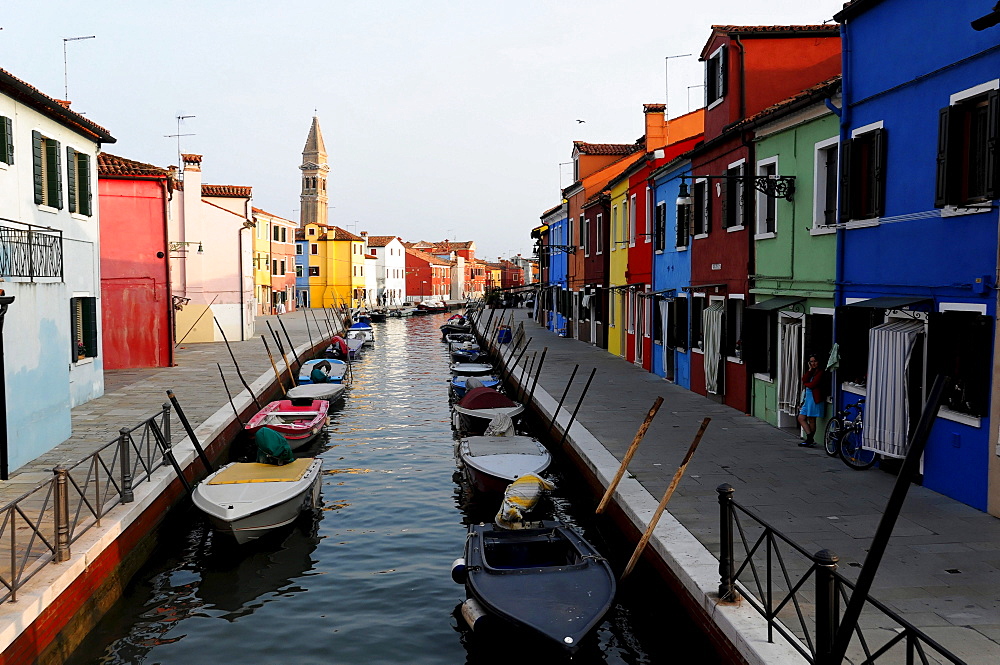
30, 251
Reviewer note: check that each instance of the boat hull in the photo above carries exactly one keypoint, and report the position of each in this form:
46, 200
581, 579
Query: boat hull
546, 579
492, 463
299, 424
475, 421
248, 511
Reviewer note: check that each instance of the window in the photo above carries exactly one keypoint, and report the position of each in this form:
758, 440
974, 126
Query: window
702, 209
569, 233
83, 328
677, 318
862, 179
967, 153
957, 340
660, 227
283, 267
631, 222
683, 230
766, 203
78, 181
733, 197
614, 228
313, 248
6, 140
586, 236
298, 270
650, 208
47, 171
312, 231
600, 233
697, 307
715, 77
734, 328
300, 249
274, 267
314, 271
825, 194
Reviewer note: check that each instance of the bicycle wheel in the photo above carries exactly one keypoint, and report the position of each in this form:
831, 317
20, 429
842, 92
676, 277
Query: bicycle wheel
831, 436
852, 453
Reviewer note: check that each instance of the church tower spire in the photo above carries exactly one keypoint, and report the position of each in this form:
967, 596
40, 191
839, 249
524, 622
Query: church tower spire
314, 199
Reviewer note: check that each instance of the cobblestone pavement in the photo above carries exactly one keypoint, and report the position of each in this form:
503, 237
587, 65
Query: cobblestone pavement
133, 395
941, 571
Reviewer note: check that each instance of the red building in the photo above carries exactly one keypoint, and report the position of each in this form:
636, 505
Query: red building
747, 69
511, 275
427, 276
137, 308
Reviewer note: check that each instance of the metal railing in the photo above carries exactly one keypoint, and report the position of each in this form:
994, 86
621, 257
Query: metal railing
41, 525
32, 251
801, 595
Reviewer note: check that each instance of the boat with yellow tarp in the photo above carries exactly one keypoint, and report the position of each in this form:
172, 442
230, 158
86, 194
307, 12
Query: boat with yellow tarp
248, 499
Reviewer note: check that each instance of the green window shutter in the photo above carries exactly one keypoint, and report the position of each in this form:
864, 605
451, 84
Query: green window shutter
53, 174
36, 154
6, 140
90, 326
71, 178
86, 194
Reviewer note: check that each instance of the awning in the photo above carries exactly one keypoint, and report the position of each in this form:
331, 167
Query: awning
699, 287
888, 302
775, 303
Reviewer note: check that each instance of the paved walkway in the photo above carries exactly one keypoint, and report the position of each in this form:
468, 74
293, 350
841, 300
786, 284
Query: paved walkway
942, 568
131, 396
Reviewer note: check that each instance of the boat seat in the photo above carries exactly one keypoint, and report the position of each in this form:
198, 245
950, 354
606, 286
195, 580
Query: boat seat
252, 472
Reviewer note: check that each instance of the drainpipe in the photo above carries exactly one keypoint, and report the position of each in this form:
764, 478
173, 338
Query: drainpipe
844, 115
743, 77
167, 196
5, 301
247, 224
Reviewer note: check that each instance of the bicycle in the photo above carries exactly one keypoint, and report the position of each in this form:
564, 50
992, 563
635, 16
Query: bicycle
836, 426
851, 445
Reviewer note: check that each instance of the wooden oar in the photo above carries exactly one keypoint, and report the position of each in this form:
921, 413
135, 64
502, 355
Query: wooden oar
666, 497
628, 455
277, 375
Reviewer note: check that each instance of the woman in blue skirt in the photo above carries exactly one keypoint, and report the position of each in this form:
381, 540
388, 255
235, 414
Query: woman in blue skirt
812, 400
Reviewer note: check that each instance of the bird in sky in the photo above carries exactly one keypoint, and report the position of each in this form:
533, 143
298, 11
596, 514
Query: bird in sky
578, 120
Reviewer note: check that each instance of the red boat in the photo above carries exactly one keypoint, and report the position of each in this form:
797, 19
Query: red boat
299, 421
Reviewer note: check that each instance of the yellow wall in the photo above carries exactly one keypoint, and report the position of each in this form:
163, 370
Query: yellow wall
617, 264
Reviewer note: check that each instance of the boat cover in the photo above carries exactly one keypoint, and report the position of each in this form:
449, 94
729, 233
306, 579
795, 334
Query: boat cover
521, 496
485, 398
323, 391
263, 473
271, 445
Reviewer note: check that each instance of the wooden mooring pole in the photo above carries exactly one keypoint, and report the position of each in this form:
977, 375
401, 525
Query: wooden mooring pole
666, 497
628, 455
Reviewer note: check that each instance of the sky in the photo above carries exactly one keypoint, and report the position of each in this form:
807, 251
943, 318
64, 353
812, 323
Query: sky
441, 119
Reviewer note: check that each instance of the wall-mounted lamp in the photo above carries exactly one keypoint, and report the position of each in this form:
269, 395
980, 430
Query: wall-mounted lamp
778, 186
683, 195
182, 246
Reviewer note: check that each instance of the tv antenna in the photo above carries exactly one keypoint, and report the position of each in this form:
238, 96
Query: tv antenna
66, 40
178, 135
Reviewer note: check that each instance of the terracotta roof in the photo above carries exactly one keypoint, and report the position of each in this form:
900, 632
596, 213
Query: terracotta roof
341, 234
370, 256
654, 108
258, 211
585, 148
430, 258
380, 241
806, 97
551, 210
109, 165
227, 191
189, 158
831, 28
54, 108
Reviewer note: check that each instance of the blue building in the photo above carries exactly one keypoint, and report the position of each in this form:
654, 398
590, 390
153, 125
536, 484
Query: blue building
559, 301
671, 273
301, 271
917, 249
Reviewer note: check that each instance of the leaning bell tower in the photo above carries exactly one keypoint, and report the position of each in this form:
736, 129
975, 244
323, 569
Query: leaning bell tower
314, 199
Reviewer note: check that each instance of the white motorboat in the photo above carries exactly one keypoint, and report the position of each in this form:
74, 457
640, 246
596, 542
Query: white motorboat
335, 370
331, 392
479, 406
247, 499
493, 462
357, 338
471, 369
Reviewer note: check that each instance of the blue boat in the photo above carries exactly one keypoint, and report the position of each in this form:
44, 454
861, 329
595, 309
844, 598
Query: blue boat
338, 368
458, 383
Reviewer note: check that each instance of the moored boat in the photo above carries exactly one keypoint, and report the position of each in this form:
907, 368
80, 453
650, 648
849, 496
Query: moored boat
299, 421
334, 369
491, 463
465, 352
453, 338
247, 499
471, 369
361, 330
331, 392
545, 578
456, 324
479, 406
460, 383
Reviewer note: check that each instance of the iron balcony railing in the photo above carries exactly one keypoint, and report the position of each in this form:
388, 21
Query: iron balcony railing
31, 251
41, 525
802, 596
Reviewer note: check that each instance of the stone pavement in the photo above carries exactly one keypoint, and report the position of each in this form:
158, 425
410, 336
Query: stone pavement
941, 571
131, 396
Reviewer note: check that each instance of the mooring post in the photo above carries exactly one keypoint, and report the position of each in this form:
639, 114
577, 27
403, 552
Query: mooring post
290, 345
277, 339
62, 513
727, 585
576, 410
562, 399
827, 605
124, 454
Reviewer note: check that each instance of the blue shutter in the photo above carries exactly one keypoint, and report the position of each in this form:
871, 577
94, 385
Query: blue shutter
992, 136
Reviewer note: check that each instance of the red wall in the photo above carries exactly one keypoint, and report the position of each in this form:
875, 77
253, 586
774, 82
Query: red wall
135, 286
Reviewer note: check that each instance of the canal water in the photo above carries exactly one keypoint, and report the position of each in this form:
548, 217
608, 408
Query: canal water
366, 578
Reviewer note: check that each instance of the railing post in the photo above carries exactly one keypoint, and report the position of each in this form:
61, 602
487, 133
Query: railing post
727, 585
126, 465
61, 514
827, 605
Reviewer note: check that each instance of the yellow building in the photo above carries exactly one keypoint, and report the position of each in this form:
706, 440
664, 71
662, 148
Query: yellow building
336, 264
261, 262
617, 264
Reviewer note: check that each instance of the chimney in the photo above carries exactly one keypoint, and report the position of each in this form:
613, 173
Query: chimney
364, 234
656, 128
190, 226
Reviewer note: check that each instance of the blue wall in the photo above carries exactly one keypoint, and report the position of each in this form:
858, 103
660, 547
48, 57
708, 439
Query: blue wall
671, 268
903, 59
558, 267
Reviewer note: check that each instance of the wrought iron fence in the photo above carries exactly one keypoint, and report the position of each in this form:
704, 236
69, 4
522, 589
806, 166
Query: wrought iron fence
41, 525
32, 251
801, 595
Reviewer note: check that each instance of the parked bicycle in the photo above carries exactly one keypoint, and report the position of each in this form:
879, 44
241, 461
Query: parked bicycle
836, 426
845, 436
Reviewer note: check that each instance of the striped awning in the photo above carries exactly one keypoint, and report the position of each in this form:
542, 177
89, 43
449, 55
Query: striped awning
888, 302
887, 412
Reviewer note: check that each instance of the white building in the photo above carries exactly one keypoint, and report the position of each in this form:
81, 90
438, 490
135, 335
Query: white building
50, 267
211, 268
390, 255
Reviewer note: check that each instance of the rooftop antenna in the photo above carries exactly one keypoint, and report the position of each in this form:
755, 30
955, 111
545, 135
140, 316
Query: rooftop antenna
666, 89
65, 61
178, 135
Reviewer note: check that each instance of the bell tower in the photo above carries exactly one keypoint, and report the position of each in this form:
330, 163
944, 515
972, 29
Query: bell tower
313, 199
